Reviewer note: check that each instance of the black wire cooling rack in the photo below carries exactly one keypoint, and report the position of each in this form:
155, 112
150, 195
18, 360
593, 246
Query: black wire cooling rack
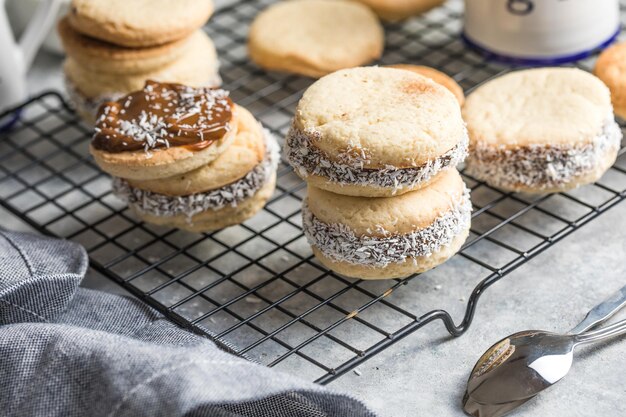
256, 286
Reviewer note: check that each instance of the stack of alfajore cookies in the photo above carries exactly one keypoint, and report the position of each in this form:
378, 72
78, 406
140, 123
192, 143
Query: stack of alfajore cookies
114, 46
186, 157
378, 148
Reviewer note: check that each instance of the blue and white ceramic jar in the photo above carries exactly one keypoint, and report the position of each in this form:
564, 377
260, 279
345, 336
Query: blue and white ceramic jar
540, 32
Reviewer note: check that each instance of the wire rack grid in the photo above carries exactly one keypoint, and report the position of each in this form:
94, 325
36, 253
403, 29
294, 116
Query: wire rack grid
256, 288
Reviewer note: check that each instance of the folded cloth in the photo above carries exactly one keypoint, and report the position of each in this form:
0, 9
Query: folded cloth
68, 351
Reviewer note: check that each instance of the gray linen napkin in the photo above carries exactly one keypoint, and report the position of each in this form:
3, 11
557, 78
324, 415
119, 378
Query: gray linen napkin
68, 351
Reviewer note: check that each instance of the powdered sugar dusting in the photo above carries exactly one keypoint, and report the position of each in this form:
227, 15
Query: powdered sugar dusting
349, 169
543, 167
340, 243
229, 195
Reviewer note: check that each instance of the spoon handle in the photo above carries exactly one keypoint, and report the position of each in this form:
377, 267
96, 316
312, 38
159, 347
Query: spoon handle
602, 312
615, 329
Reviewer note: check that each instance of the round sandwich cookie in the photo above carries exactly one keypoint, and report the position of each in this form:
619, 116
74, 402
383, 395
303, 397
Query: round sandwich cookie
225, 192
375, 132
541, 130
437, 76
394, 10
163, 130
611, 69
391, 237
96, 55
315, 37
139, 23
96, 72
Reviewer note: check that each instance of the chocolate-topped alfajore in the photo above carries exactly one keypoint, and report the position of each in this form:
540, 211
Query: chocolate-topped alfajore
164, 115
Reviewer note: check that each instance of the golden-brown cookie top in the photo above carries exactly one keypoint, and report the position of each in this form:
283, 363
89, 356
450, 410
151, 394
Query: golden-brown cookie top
611, 69
245, 153
394, 215
389, 117
437, 76
100, 56
197, 66
315, 37
139, 23
545, 106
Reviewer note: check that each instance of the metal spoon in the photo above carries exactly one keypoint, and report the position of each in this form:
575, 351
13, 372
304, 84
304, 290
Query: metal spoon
522, 365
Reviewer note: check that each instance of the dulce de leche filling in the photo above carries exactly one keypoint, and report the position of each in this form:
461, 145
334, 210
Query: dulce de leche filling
163, 115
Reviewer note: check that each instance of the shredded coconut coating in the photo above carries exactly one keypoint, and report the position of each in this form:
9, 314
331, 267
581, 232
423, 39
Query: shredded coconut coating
90, 105
340, 243
349, 169
542, 166
229, 195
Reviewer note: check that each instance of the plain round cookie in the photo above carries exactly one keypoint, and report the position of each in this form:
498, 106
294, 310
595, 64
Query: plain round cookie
434, 222
395, 117
245, 153
611, 69
315, 37
99, 56
546, 106
139, 23
541, 130
196, 67
437, 76
393, 10
162, 163
211, 220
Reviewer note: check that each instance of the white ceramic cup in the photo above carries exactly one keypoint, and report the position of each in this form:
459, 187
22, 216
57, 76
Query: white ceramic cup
17, 56
540, 31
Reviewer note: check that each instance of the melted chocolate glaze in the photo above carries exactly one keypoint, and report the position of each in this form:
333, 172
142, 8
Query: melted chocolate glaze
163, 115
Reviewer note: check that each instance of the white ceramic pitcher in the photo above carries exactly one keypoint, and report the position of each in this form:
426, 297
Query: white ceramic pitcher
16, 56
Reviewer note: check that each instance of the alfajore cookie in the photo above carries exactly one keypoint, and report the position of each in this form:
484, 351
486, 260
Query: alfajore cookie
611, 69
97, 72
541, 130
382, 238
163, 130
139, 23
227, 191
394, 10
96, 55
437, 76
375, 132
315, 37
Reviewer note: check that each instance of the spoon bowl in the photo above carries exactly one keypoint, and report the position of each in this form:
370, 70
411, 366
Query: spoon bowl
519, 367
516, 369
522, 365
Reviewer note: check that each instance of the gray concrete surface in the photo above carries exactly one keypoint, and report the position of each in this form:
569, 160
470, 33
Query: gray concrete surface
425, 374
